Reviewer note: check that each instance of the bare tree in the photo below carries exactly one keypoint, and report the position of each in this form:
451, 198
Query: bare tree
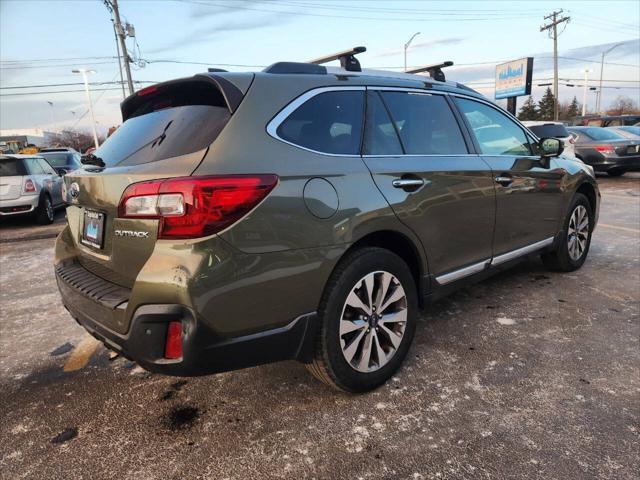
79, 140
623, 105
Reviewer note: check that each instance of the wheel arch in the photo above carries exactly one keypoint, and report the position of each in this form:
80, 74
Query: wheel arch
404, 247
589, 191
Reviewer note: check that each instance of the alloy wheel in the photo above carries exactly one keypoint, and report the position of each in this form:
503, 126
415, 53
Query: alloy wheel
373, 321
578, 232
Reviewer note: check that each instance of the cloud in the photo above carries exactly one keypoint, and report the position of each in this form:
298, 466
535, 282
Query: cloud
420, 45
207, 33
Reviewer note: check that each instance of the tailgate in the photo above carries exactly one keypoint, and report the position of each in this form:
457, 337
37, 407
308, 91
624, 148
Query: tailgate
11, 187
116, 258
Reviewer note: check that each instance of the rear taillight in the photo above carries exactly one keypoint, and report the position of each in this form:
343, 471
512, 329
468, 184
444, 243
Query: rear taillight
191, 207
173, 344
605, 148
29, 186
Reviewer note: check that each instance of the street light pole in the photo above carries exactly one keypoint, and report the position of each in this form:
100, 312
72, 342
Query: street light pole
86, 90
406, 46
584, 93
601, 71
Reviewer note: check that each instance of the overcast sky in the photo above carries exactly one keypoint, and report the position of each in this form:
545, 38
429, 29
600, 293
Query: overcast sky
42, 41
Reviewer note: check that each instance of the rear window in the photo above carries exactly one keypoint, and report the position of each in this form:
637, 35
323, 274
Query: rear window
330, 122
11, 167
165, 123
550, 130
61, 159
598, 133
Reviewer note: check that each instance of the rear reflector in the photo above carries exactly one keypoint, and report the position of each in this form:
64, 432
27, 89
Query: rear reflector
173, 345
192, 207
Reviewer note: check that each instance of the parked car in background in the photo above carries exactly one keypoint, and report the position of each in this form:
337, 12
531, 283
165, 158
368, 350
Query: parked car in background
63, 162
606, 120
606, 150
628, 131
544, 129
29, 185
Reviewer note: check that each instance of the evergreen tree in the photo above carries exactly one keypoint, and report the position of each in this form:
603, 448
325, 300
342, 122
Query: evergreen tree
573, 110
545, 105
528, 110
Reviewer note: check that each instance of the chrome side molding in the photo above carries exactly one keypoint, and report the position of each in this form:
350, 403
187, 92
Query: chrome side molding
505, 257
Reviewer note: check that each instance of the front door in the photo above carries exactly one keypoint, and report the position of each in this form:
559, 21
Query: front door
528, 190
421, 162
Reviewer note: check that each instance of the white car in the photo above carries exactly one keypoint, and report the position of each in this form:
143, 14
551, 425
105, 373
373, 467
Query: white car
546, 129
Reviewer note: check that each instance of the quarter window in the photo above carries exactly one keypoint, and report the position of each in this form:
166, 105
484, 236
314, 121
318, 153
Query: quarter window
425, 123
496, 133
329, 122
34, 166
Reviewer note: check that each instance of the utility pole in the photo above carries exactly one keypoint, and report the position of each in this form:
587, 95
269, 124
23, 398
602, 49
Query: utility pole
121, 36
599, 102
115, 34
553, 30
584, 93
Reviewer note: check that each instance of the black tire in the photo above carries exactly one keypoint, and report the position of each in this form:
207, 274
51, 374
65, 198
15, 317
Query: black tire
615, 172
329, 364
560, 260
45, 213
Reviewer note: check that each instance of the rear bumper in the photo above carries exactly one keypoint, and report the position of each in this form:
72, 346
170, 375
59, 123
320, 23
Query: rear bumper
605, 163
204, 351
19, 206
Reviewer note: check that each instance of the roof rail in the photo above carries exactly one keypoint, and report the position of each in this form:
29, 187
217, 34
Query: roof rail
435, 70
347, 59
296, 67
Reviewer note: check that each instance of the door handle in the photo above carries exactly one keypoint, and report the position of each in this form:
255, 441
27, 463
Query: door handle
504, 180
407, 183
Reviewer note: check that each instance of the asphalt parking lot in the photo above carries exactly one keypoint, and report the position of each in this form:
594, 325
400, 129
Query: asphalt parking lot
530, 374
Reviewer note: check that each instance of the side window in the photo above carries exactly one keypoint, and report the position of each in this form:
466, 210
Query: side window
330, 122
496, 133
46, 167
380, 137
34, 166
426, 124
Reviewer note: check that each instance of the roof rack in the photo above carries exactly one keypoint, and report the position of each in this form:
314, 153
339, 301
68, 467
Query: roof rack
435, 70
347, 59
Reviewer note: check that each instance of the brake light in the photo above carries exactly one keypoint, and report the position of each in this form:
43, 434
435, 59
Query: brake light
29, 186
604, 148
173, 344
192, 207
147, 91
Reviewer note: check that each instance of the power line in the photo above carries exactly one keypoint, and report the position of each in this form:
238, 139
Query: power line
58, 66
68, 84
350, 17
53, 59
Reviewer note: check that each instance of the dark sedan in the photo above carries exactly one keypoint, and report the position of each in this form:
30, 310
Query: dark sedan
606, 151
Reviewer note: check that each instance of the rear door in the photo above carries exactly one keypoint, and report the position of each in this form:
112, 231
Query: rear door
529, 200
12, 172
166, 132
423, 164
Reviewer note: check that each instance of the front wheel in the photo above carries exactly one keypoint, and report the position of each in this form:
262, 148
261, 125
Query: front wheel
575, 238
367, 320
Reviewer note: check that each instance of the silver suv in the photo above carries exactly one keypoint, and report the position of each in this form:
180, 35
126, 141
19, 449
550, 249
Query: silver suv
29, 185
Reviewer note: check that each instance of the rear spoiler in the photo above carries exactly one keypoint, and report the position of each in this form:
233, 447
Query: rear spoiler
231, 94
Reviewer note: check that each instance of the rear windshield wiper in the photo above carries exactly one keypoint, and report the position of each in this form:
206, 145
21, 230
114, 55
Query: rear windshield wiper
91, 159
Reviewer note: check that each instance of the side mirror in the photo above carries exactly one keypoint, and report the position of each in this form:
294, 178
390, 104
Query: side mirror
550, 147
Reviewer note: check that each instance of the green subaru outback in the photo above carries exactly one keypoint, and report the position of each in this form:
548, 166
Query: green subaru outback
306, 212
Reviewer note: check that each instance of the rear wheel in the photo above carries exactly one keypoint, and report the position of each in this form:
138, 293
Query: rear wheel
44, 212
615, 172
575, 238
367, 320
